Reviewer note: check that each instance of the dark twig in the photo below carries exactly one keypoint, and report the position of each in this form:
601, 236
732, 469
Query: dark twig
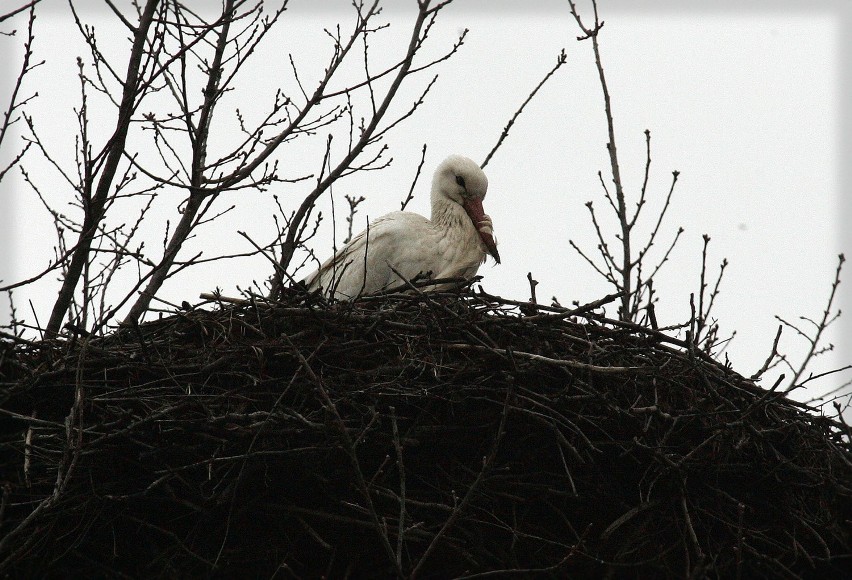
410, 195
623, 269
766, 365
98, 193
560, 60
825, 321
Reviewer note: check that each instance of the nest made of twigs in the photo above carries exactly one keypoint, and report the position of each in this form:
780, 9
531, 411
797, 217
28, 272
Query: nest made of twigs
434, 435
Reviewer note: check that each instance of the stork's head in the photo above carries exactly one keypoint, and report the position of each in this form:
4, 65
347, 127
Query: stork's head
461, 181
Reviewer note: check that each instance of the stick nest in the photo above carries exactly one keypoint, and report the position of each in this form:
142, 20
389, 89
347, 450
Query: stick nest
429, 436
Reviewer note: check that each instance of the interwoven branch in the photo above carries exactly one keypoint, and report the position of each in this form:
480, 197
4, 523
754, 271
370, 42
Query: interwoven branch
426, 434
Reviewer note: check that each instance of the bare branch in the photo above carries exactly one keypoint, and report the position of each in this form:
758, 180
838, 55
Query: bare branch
115, 146
18, 10
826, 320
410, 195
212, 92
560, 60
9, 117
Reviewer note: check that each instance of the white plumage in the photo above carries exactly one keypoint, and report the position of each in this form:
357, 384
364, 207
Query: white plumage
452, 244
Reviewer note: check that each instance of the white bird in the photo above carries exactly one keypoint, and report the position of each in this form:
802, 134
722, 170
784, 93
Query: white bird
452, 244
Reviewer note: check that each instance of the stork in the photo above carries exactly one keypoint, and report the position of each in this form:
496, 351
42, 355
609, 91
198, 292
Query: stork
401, 246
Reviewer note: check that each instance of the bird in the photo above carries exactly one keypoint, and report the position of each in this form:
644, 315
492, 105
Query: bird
401, 246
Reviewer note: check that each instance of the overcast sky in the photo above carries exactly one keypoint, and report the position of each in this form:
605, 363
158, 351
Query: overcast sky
745, 104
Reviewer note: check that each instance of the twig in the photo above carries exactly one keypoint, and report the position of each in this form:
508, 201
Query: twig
100, 192
820, 327
410, 195
548, 360
400, 538
771, 356
560, 60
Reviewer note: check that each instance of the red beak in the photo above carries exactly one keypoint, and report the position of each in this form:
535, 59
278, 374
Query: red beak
474, 210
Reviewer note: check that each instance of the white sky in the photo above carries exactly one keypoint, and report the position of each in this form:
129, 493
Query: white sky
746, 105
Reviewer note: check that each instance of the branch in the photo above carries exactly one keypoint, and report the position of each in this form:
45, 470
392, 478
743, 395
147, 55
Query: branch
94, 213
8, 15
823, 324
410, 195
212, 92
560, 60
25, 68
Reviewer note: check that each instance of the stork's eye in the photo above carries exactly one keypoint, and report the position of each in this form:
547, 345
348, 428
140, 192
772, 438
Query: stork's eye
460, 180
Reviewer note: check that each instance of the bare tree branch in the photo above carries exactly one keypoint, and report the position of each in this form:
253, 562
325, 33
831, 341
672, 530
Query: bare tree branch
9, 117
115, 147
560, 60
212, 92
825, 321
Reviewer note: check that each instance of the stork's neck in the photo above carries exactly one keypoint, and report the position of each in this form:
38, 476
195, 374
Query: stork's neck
448, 214
452, 223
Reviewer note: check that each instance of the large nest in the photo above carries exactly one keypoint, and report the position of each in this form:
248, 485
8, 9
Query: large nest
437, 435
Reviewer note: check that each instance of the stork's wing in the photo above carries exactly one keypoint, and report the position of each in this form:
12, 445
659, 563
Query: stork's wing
400, 241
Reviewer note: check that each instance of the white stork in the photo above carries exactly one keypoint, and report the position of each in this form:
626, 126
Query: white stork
452, 244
